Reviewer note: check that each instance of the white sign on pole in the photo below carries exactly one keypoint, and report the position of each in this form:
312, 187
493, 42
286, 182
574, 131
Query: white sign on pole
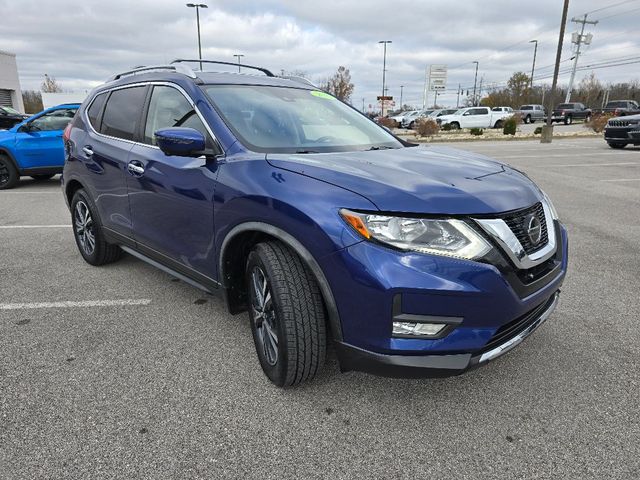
437, 77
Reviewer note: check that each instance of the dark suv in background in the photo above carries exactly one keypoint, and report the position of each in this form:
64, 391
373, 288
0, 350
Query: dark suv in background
10, 117
414, 260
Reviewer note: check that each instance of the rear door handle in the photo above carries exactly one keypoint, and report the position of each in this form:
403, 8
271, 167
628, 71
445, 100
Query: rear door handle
135, 168
87, 150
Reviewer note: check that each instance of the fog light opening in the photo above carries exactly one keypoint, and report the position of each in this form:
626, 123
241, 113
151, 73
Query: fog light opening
418, 330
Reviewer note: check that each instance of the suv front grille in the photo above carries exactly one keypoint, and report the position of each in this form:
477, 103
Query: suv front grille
619, 123
516, 222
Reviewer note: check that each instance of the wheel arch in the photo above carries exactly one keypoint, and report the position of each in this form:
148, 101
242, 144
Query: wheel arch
234, 250
9, 155
71, 188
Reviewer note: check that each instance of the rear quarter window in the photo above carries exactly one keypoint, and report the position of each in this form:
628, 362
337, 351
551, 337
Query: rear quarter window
122, 112
94, 110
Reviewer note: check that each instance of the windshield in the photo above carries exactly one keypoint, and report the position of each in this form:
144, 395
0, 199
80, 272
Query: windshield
293, 120
10, 110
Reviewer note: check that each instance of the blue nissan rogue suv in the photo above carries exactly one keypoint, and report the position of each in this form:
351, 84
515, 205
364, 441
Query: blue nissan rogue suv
413, 260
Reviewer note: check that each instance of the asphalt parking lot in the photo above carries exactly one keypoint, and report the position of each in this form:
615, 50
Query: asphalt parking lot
123, 372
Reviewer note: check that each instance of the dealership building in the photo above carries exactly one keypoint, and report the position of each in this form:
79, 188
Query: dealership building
10, 93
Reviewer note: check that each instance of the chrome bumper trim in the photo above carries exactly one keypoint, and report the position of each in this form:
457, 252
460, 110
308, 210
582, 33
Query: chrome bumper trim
509, 344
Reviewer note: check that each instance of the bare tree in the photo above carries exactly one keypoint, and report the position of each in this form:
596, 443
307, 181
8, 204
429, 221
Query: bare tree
32, 100
50, 84
339, 84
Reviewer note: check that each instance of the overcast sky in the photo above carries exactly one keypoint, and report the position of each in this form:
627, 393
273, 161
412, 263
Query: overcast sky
82, 43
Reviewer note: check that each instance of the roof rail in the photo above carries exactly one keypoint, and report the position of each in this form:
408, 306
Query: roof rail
299, 79
184, 69
268, 73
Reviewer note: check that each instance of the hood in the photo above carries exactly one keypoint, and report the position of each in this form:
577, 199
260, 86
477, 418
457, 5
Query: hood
423, 179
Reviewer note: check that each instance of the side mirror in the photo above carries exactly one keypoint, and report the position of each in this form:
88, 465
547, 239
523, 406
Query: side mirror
179, 141
25, 127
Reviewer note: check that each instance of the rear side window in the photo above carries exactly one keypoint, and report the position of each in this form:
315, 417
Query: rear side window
122, 112
169, 108
95, 109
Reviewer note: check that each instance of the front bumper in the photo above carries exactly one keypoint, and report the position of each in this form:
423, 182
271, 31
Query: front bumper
484, 299
629, 134
412, 366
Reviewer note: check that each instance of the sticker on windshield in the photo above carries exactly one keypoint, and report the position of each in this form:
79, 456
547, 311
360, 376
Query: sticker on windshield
317, 93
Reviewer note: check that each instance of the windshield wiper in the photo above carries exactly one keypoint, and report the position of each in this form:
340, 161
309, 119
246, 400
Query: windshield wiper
307, 151
379, 147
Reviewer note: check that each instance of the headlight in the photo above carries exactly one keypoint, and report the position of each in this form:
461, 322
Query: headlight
554, 212
449, 237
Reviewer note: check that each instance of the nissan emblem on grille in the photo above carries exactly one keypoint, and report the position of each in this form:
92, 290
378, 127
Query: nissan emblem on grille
533, 227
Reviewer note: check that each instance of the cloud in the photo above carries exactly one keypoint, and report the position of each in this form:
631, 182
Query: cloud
83, 43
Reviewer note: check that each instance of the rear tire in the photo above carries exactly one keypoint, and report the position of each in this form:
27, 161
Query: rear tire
617, 145
286, 313
527, 119
87, 230
9, 175
568, 120
43, 177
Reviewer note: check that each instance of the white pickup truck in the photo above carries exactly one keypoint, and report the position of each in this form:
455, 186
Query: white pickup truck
475, 117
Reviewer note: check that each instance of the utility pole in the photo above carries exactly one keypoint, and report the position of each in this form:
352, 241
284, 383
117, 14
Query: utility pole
547, 130
533, 67
401, 88
480, 91
458, 99
578, 39
384, 73
238, 56
475, 81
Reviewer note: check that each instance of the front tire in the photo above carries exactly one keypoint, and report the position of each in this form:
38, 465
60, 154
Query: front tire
286, 313
455, 126
568, 120
8, 174
88, 232
527, 119
617, 145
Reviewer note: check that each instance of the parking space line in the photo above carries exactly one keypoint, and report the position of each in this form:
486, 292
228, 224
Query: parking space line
622, 180
8, 227
83, 304
619, 164
29, 192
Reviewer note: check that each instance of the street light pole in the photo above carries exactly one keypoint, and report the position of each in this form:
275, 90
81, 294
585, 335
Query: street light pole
384, 72
533, 67
238, 56
401, 88
475, 81
198, 6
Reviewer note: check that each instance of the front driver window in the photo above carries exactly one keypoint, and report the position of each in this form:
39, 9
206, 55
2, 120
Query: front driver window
54, 120
169, 108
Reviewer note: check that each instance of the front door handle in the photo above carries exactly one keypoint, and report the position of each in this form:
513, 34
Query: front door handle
87, 150
135, 168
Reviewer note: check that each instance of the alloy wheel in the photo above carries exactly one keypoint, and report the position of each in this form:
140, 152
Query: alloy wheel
264, 315
84, 226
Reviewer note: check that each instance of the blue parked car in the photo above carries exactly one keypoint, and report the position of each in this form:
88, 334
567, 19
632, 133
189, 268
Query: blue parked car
34, 147
411, 260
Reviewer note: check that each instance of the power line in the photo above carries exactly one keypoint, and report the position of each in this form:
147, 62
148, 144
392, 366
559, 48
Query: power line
609, 6
620, 13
